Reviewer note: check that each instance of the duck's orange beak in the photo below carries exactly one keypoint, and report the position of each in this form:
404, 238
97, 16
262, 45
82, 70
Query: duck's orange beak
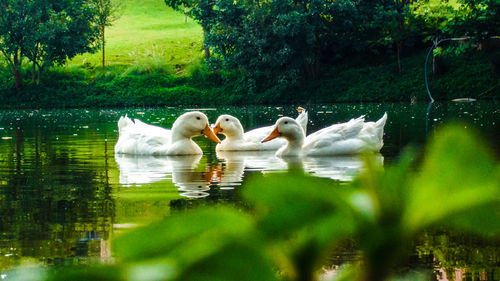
274, 134
217, 128
210, 134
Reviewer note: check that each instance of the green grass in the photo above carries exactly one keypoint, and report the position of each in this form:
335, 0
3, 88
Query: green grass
148, 31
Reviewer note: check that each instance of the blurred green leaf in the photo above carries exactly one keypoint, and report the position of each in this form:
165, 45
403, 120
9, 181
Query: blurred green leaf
289, 202
482, 219
185, 238
302, 216
380, 195
236, 261
85, 273
378, 202
151, 270
457, 175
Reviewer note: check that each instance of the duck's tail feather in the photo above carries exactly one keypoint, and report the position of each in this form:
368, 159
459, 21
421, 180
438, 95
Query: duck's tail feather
381, 122
380, 127
124, 122
303, 119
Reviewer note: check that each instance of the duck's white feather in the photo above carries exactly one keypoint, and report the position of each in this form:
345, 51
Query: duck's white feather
251, 140
302, 119
337, 139
352, 137
139, 138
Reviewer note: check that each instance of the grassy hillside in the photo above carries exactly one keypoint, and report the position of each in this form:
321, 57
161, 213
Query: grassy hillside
149, 32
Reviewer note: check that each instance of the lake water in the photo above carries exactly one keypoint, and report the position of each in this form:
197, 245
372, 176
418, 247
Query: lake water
64, 194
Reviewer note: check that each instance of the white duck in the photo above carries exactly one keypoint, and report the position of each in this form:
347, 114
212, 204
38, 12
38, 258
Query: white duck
237, 140
352, 137
137, 137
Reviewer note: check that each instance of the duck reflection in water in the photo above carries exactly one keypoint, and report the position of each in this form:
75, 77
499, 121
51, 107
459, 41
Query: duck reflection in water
342, 168
144, 169
195, 183
236, 163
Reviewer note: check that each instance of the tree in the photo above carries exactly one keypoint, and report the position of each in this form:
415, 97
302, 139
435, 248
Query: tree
107, 11
471, 22
65, 29
478, 19
14, 25
45, 32
391, 18
280, 43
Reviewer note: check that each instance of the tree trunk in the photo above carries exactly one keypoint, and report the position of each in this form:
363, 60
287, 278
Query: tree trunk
401, 30
185, 15
33, 69
38, 75
33, 73
207, 50
434, 68
103, 50
18, 79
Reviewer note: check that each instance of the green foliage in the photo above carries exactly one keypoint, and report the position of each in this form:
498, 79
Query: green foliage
294, 220
474, 21
272, 52
157, 84
45, 33
276, 46
106, 12
206, 225
97, 273
438, 178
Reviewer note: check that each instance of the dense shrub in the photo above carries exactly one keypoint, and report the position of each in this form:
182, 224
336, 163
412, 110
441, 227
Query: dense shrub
470, 75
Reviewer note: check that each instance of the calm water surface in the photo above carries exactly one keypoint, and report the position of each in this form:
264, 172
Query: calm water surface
64, 193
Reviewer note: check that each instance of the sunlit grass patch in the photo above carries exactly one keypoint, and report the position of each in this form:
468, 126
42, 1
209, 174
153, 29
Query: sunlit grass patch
147, 27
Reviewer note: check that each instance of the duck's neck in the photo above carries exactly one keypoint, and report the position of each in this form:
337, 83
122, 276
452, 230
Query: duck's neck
294, 144
235, 134
293, 148
179, 133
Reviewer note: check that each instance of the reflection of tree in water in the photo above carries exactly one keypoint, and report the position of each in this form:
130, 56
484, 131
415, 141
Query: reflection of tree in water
436, 255
458, 256
48, 212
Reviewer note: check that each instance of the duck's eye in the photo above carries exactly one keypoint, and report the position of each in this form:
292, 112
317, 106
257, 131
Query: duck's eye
199, 118
286, 122
227, 119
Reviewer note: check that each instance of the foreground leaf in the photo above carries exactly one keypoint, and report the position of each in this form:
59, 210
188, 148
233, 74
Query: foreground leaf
289, 202
185, 238
458, 175
235, 261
